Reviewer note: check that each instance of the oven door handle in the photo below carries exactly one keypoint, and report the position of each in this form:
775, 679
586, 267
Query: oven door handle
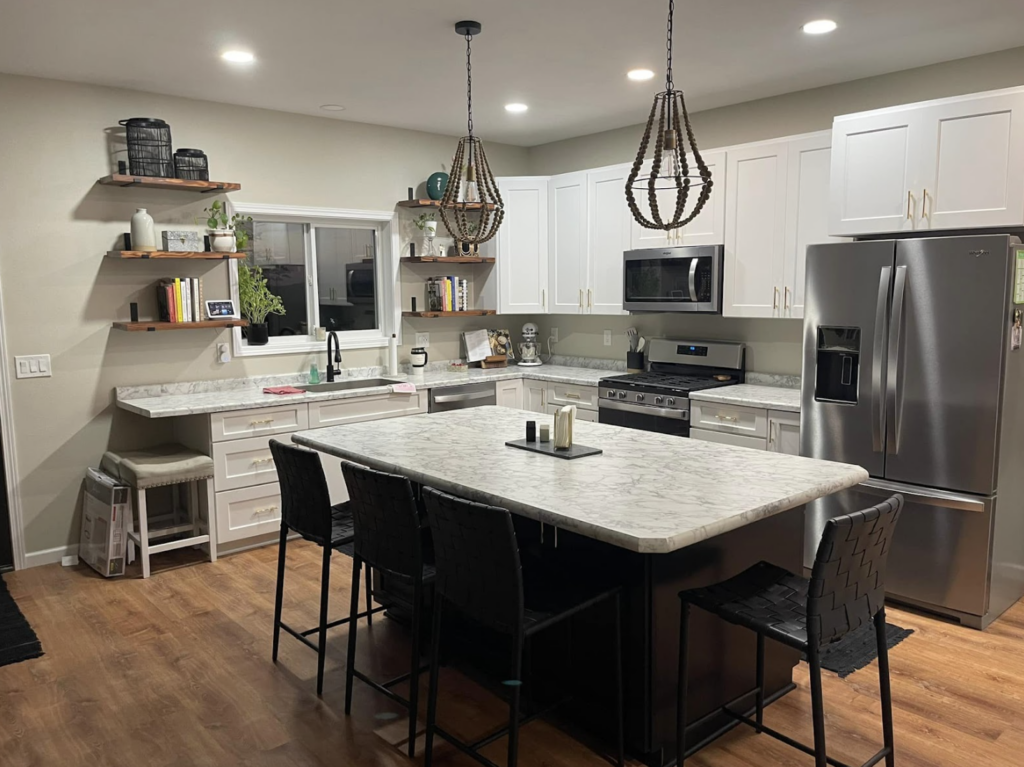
693, 280
660, 412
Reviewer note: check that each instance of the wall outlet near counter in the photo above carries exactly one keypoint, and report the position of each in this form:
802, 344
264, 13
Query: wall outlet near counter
554, 335
32, 366
423, 340
607, 338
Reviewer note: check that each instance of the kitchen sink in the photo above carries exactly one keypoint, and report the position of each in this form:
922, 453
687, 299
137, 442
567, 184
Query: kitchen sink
358, 383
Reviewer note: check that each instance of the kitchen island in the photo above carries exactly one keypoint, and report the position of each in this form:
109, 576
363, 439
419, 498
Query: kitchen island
659, 512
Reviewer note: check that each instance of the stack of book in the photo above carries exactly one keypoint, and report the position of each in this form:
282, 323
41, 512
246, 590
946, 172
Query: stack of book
454, 293
180, 299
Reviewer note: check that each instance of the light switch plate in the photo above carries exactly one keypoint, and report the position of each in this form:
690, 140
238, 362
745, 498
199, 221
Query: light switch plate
32, 366
607, 338
423, 340
554, 335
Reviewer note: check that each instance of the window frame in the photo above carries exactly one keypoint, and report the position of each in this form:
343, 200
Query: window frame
385, 224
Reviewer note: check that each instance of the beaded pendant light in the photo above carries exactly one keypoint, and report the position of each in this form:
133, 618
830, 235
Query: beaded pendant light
670, 169
471, 207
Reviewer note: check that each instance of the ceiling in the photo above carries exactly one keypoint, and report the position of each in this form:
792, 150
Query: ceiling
399, 62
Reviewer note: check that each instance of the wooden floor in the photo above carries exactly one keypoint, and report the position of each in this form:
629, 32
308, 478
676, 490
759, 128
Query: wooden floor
176, 671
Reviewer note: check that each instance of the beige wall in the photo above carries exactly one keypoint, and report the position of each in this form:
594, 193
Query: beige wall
60, 295
793, 113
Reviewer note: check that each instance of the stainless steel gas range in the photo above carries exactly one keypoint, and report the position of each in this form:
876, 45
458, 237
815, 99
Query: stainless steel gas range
659, 399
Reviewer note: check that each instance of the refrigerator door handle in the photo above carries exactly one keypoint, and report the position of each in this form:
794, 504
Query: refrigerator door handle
924, 496
892, 383
877, 357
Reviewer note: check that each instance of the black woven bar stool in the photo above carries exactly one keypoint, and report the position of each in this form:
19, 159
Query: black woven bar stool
845, 591
479, 573
389, 536
306, 509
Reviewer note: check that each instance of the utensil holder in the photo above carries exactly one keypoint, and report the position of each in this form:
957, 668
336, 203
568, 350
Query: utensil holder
634, 362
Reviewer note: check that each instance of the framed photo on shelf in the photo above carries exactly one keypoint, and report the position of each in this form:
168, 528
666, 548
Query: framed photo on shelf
222, 309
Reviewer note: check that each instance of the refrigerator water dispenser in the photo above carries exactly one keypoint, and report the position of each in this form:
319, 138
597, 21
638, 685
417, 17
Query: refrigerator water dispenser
838, 365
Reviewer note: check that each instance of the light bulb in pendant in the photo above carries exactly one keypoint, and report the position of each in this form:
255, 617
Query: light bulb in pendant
471, 193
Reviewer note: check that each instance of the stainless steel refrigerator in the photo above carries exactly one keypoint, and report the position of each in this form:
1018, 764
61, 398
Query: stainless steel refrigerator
912, 369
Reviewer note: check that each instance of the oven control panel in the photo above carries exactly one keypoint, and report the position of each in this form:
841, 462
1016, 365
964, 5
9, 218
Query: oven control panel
644, 399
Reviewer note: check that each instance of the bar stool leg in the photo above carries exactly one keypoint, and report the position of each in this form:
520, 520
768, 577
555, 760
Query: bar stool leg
325, 595
350, 665
883, 683
141, 516
435, 670
513, 706
817, 704
684, 631
414, 667
279, 596
369, 596
193, 507
760, 683
619, 711
211, 518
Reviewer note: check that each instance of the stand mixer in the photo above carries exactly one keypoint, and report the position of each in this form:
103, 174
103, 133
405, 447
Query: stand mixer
529, 353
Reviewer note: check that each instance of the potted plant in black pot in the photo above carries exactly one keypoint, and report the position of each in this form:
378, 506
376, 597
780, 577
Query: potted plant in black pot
256, 302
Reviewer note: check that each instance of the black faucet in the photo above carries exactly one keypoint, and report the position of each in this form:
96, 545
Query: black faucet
331, 370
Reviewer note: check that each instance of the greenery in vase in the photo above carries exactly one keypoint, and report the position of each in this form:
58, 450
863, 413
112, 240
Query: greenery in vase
421, 220
217, 218
254, 296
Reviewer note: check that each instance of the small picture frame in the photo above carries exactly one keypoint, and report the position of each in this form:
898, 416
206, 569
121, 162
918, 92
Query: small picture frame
221, 309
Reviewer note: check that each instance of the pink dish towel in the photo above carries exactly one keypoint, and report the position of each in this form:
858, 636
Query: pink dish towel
282, 390
403, 388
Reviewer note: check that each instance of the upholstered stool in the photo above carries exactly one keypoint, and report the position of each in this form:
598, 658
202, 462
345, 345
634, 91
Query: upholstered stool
171, 465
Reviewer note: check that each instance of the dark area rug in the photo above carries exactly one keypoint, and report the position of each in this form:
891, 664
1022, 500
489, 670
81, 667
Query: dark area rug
18, 641
858, 649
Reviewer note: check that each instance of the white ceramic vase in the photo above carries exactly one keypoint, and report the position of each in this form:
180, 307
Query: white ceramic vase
143, 233
222, 240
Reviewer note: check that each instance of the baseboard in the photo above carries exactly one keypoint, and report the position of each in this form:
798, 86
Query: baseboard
50, 556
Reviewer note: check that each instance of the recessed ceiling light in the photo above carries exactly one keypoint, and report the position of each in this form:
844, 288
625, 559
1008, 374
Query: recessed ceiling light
820, 27
640, 74
516, 108
332, 107
238, 57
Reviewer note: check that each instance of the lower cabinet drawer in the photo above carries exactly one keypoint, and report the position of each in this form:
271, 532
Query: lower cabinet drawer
581, 415
248, 512
751, 421
583, 397
723, 438
372, 408
238, 424
244, 462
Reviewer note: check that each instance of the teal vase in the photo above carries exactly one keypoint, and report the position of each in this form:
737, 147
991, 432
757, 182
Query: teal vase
436, 185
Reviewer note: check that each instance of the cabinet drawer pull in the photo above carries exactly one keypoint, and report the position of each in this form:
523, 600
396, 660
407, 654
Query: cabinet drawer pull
590, 299
570, 395
261, 421
581, 298
924, 205
785, 305
261, 461
775, 298
543, 298
265, 510
910, 205
727, 418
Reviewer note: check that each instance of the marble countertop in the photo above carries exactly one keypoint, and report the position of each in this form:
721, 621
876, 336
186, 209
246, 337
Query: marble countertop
648, 492
169, 400
753, 395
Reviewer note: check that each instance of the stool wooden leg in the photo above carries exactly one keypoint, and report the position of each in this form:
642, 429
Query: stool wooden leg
325, 595
684, 631
279, 595
211, 518
883, 682
353, 622
140, 512
817, 705
193, 507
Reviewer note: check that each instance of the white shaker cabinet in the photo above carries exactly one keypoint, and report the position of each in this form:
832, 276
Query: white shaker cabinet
608, 233
708, 228
784, 432
567, 243
534, 395
509, 393
755, 230
522, 246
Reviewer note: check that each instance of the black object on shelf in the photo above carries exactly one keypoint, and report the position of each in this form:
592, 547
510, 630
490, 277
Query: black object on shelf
149, 147
548, 448
134, 308
122, 167
410, 193
531, 431
127, 240
414, 303
412, 250
191, 165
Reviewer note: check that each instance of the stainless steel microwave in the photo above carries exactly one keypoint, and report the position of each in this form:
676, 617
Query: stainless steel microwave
684, 279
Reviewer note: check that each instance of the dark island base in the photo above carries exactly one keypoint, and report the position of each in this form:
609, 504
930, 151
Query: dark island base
577, 656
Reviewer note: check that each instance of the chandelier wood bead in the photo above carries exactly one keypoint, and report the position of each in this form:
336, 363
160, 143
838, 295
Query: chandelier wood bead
471, 207
670, 169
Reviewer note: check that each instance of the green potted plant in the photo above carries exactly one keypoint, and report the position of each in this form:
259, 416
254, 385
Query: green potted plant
227, 235
256, 302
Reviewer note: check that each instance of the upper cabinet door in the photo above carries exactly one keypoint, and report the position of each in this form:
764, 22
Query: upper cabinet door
755, 230
706, 229
608, 238
975, 172
523, 246
874, 162
806, 213
567, 228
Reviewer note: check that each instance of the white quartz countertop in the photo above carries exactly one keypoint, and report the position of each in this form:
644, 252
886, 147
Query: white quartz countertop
240, 394
648, 492
752, 395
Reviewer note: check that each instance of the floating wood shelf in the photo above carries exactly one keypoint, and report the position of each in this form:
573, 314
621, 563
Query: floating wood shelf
151, 326
437, 204
170, 254
446, 260
468, 313
155, 182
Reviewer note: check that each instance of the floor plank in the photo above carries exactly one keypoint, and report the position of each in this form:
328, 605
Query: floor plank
176, 671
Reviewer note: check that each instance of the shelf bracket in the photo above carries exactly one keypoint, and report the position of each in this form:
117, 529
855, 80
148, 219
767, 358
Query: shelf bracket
218, 188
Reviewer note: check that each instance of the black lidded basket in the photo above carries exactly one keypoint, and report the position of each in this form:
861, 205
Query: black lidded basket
191, 165
149, 147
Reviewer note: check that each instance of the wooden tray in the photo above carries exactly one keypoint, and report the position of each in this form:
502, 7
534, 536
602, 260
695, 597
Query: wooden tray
494, 361
548, 448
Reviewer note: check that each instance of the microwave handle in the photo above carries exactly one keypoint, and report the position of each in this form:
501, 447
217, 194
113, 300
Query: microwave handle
693, 280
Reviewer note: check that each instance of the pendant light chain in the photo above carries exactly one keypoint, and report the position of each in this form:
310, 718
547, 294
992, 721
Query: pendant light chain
669, 82
469, 83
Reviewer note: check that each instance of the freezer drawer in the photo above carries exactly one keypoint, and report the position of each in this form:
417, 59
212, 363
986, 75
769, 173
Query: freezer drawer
941, 551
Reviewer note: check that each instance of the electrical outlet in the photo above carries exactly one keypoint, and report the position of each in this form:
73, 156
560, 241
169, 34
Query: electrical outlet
607, 338
33, 366
223, 353
554, 335
423, 340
